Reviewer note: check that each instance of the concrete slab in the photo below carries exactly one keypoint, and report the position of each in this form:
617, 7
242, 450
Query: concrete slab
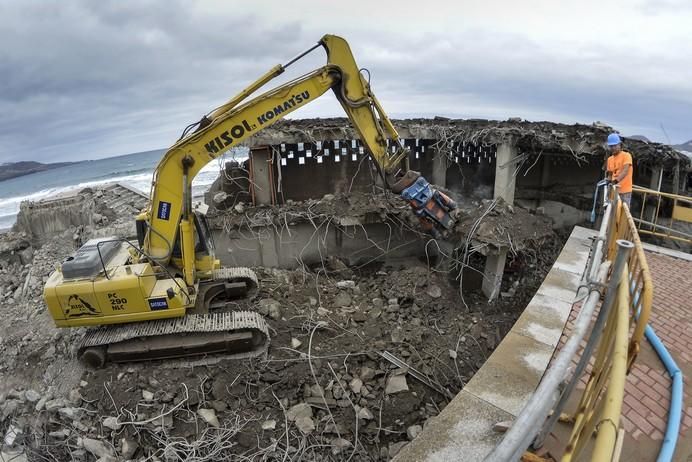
574, 255
560, 285
543, 319
511, 374
579, 232
460, 432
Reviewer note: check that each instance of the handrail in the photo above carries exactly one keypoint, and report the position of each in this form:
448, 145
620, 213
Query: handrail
642, 189
627, 303
641, 283
678, 213
607, 377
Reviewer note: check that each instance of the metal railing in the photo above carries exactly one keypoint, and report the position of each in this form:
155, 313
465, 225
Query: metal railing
641, 284
617, 267
661, 212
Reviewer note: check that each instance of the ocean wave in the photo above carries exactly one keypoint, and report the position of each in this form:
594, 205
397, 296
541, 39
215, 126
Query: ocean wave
122, 173
140, 180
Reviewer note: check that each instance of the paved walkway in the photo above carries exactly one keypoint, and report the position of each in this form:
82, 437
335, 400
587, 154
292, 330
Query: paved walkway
645, 410
647, 390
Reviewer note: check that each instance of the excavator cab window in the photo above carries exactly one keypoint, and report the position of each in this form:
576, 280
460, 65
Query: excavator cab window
204, 244
204, 241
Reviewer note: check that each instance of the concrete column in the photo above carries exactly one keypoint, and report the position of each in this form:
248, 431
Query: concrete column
655, 178
505, 183
261, 186
439, 174
676, 178
545, 179
504, 170
492, 275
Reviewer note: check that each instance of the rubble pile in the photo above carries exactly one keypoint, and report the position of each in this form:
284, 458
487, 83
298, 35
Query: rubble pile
360, 359
500, 224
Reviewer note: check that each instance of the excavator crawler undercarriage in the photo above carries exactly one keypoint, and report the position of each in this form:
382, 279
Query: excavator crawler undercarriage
209, 329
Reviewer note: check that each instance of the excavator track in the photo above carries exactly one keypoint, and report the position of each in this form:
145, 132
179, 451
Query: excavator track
234, 335
202, 332
234, 282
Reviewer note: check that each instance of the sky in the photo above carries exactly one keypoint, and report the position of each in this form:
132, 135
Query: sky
86, 79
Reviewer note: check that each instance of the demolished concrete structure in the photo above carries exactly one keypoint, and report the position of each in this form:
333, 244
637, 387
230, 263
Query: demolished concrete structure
340, 285
543, 167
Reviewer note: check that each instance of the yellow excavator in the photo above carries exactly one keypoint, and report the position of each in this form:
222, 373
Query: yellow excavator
166, 296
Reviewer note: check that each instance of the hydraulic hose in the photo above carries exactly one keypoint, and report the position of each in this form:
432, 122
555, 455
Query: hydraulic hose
675, 410
670, 439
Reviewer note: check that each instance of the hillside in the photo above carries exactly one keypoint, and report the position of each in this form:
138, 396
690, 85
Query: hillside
15, 169
687, 146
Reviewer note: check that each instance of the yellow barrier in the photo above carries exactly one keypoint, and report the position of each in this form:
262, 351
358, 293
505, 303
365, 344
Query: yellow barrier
641, 284
602, 413
679, 207
601, 402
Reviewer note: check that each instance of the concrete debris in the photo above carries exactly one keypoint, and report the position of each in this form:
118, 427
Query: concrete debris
71, 413
434, 291
147, 395
209, 416
342, 299
317, 391
60, 434
220, 197
339, 445
346, 284
365, 414
97, 447
295, 343
11, 435
395, 448
502, 427
397, 335
356, 385
112, 423
305, 424
32, 396
270, 307
413, 431
13, 455
298, 411
55, 404
367, 374
396, 384
128, 447
269, 425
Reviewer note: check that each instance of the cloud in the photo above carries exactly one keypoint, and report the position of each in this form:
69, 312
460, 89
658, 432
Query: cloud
86, 79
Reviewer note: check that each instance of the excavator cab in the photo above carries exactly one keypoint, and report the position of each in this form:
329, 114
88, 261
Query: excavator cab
205, 252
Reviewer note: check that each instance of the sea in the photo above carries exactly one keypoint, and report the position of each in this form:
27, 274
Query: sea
135, 170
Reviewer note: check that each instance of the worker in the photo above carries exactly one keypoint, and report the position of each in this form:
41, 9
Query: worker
619, 168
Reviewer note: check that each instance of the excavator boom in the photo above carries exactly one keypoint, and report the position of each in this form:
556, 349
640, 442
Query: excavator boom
240, 118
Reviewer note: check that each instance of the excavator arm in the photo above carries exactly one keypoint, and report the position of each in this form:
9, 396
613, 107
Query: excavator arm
170, 211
